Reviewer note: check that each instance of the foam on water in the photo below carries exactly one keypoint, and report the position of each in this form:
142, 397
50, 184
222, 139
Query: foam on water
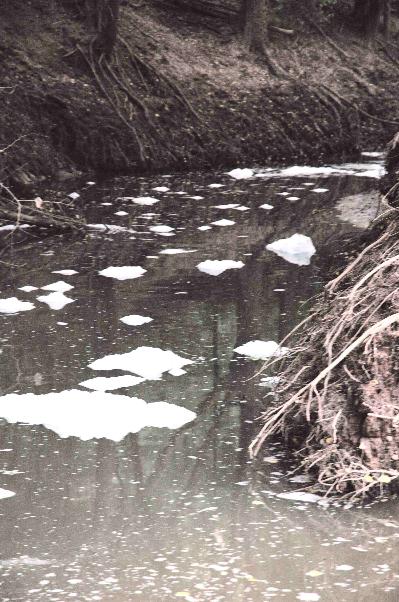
102, 383
261, 350
223, 222
135, 320
55, 300
297, 249
12, 305
148, 362
125, 272
91, 415
60, 287
216, 267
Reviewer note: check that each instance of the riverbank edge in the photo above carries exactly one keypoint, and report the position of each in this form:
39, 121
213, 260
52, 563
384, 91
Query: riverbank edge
223, 109
337, 401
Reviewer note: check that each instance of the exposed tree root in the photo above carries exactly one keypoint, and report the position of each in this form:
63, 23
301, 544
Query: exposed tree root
338, 402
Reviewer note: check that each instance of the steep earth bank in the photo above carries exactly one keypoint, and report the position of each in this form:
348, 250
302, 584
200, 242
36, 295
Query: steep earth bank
188, 97
338, 398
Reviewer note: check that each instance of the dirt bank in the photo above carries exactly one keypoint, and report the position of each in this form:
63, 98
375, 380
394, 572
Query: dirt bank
338, 400
193, 97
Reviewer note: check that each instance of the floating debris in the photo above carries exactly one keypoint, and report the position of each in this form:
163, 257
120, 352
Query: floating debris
216, 267
297, 249
126, 272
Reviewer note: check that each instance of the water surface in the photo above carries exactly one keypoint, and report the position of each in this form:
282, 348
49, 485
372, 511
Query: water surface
178, 513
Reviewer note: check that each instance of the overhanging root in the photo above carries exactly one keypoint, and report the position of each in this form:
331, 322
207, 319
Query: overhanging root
339, 398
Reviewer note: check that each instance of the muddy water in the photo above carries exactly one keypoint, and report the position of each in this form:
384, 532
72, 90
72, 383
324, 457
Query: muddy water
179, 512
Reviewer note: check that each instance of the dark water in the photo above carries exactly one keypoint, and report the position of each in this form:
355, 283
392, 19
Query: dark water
176, 513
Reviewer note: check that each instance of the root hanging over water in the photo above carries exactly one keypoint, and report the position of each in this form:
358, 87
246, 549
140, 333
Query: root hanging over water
338, 403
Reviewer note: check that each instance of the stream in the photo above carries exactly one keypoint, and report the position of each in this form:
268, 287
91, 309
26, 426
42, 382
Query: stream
143, 489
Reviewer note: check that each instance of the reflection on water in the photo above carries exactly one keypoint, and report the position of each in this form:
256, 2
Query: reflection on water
177, 513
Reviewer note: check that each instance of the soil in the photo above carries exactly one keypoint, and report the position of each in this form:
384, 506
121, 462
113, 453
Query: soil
205, 100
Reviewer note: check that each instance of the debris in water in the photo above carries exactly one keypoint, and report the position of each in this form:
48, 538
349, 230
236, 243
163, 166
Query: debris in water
216, 186
102, 383
125, 272
296, 249
319, 190
148, 362
121, 213
204, 228
74, 195
55, 300
241, 174
60, 287
216, 267
344, 567
135, 320
266, 206
261, 350
92, 415
12, 305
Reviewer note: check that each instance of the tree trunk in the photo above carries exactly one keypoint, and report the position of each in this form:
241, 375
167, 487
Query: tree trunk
103, 18
387, 18
257, 14
367, 15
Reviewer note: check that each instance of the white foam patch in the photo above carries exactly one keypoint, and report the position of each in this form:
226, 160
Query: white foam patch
301, 496
216, 186
11, 227
269, 381
161, 189
28, 288
372, 154
297, 249
204, 228
12, 305
140, 200
148, 362
55, 300
110, 228
65, 272
91, 415
121, 213
125, 272
74, 195
90, 183
320, 190
135, 320
196, 198
261, 350
308, 597
241, 174
176, 251
227, 206
215, 267
241, 208
223, 222
161, 229
101, 383
5, 493
60, 287
266, 206
292, 198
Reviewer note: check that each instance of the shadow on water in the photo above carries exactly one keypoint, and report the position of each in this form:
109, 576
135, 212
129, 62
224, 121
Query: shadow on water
165, 514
